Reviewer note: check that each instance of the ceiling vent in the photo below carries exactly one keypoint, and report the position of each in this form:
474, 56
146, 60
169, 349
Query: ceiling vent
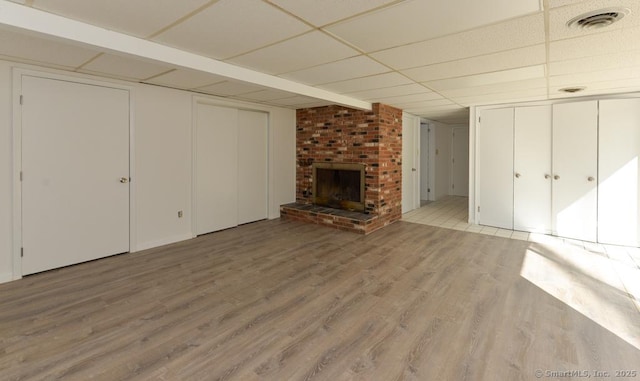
598, 19
572, 90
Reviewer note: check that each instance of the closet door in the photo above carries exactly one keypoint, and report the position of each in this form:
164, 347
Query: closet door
75, 161
216, 168
252, 166
532, 167
495, 168
575, 150
619, 172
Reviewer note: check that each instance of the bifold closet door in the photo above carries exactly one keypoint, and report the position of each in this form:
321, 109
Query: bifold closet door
252, 166
495, 168
575, 170
75, 165
532, 169
619, 172
216, 168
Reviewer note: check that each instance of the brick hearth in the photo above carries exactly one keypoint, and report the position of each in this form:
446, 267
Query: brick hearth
344, 135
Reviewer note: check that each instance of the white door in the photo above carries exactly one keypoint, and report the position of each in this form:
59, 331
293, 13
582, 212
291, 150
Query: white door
252, 166
532, 167
619, 172
424, 163
575, 170
495, 168
216, 168
410, 156
75, 164
460, 161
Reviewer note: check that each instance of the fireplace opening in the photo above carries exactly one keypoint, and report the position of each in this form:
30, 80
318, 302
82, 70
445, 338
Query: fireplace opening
339, 185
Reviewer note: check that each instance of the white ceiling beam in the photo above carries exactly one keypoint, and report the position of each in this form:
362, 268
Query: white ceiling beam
39, 22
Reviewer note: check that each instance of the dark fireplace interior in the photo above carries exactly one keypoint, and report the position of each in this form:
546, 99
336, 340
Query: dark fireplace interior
339, 185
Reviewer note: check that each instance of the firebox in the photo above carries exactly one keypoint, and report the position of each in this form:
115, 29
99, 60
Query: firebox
339, 185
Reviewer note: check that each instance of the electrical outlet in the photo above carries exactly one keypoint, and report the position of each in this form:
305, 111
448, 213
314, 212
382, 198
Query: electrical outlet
179, 213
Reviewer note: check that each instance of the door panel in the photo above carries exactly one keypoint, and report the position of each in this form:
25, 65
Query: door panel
575, 149
216, 168
410, 190
460, 161
75, 150
619, 172
495, 168
532, 167
252, 166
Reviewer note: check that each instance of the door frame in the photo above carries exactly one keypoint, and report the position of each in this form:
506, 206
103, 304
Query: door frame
17, 74
205, 100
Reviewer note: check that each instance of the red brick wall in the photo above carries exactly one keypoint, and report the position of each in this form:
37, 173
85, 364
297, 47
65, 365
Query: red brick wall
343, 135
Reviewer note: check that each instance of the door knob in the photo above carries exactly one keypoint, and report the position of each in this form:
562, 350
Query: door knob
413, 169
590, 178
547, 176
124, 180
517, 175
556, 177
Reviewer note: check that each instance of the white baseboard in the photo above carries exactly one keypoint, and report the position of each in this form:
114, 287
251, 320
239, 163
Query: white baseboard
6, 277
162, 242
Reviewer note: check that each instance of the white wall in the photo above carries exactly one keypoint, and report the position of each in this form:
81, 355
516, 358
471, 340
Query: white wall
162, 178
162, 157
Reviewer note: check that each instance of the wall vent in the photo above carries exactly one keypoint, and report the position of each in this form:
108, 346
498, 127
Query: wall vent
598, 19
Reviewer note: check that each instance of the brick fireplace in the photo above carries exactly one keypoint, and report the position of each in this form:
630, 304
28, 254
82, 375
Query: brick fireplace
337, 134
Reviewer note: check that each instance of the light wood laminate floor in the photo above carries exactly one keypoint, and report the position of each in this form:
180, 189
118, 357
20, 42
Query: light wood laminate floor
283, 300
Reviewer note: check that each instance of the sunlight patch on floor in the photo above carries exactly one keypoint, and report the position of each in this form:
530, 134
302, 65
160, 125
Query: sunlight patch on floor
585, 281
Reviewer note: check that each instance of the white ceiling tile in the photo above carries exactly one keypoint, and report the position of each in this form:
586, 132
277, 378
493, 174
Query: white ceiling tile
324, 12
301, 52
186, 79
418, 20
41, 50
412, 88
139, 18
230, 88
124, 67
509, 59
512, 34
511, 75
562, 3
495, 88
436, 103
424, 96
367, 83
558, 18
612, 42
595, 63
19, 1
583, 79
355, 67
232, 27
507, 96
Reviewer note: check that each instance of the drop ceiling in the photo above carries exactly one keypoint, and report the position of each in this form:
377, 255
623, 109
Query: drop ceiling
430, 58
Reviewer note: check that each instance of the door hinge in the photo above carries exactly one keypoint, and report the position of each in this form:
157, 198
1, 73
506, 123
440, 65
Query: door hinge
428, 190
478, 209
20, 175
21, 252
453, 186
479, 118
453, 160
21, 99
